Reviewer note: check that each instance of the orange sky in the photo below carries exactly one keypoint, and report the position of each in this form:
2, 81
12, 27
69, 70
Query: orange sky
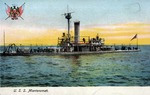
113, 34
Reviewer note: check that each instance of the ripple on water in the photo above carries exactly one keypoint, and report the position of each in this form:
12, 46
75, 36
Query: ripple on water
115, 69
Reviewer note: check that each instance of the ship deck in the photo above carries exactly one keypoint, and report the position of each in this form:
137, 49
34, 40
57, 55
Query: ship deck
68, 53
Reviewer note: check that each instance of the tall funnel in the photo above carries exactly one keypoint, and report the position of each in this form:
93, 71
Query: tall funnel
76, 31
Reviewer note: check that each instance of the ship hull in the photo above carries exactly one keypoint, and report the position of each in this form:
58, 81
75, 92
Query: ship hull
68, 53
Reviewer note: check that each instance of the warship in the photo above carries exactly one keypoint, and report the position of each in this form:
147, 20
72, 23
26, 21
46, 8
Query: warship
70, 45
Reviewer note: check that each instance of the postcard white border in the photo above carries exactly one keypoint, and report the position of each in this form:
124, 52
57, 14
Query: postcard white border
77, 91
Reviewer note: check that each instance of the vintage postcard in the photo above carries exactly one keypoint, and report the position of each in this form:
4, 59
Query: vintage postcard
74, 47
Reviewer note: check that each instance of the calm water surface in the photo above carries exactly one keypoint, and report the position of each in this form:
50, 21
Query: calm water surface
114, 69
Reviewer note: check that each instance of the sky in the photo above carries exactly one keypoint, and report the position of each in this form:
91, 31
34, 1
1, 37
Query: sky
115, 20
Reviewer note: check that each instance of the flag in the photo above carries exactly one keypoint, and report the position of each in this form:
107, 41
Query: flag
7, 10
21, 9
134, 37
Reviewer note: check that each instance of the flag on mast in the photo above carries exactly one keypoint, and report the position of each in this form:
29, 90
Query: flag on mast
134, 37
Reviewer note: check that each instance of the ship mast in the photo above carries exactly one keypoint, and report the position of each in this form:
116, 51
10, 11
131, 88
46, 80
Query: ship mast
68, 17
4, 40
137, 41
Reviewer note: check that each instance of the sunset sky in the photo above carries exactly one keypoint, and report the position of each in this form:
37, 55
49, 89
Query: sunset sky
115, 20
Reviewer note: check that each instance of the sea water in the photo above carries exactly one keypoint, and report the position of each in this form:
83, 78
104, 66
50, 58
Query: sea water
111, 69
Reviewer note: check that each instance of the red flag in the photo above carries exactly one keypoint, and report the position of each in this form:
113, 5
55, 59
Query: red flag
134, 37
21, 8
8, 10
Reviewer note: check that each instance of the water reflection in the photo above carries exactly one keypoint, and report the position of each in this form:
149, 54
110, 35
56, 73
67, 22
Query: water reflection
121, 69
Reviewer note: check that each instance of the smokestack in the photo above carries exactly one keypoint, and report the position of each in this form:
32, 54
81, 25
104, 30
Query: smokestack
76, 31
